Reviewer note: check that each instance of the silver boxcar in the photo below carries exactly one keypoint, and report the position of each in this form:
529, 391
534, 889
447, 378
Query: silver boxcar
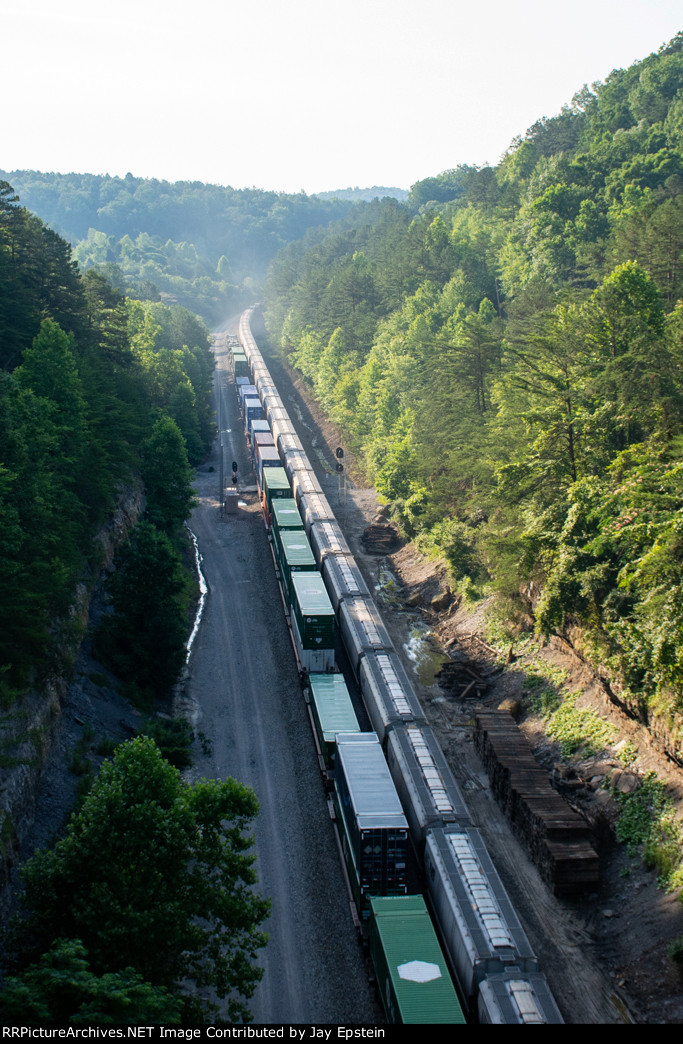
315, 507
293, 459
305, 482
362, 630
387, 693
343, 579
429, 794
481, 931
327, 539
289, 440
513, 999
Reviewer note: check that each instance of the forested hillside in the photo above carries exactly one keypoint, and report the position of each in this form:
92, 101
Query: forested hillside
104, 407
364, 195
97, 393
503, 353
206, 247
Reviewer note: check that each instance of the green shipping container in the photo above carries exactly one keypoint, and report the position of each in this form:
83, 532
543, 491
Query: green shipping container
313, 611
412, 977
332, 711
240, 365
275, 485
295, 557
286, 517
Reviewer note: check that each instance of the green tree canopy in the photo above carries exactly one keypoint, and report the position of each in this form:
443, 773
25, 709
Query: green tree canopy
143, 641
167, 476
155, 874
61, 989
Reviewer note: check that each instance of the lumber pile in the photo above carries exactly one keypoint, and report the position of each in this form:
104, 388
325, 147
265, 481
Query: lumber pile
380, 538
557, 837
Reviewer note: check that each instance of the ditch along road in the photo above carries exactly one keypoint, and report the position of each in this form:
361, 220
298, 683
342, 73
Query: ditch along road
243, 697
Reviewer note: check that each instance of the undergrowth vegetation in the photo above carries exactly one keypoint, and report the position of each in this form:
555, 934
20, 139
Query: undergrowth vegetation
647, 823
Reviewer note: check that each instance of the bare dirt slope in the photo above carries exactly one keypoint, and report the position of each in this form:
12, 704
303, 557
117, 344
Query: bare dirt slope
604, 954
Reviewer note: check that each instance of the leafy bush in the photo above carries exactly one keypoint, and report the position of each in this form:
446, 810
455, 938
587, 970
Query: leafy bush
579, 729
154, 874
173, 737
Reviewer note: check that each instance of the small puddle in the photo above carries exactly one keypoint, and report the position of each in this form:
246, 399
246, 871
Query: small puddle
426, 654
423, 647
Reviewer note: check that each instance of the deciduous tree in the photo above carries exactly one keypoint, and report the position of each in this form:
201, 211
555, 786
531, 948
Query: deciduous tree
155, 874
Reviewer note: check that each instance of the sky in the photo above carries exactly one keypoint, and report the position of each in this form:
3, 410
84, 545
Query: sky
295, 95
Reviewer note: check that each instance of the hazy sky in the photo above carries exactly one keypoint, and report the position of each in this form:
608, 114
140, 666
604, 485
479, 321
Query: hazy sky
300, 94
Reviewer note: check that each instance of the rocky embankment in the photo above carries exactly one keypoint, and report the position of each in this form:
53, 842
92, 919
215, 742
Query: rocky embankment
46, 736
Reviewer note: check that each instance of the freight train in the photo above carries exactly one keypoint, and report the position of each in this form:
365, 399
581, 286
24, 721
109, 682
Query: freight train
403, 822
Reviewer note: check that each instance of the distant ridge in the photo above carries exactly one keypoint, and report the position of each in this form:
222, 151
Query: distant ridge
364, 195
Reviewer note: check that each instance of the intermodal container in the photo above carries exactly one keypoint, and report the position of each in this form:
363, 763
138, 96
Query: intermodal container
240, 365
313, 624
266, 457
375, 831
286, 517
295, 557
259, 439
275, 484
332, 712
413, 980
258, 425
252, 410
246, 391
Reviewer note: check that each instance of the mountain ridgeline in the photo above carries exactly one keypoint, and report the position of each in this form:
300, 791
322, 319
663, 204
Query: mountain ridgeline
503, 354
206, 247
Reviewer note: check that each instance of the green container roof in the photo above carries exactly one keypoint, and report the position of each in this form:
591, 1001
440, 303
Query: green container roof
333, 704
275, 478
311, 594
416, 966
296, 549
286, 514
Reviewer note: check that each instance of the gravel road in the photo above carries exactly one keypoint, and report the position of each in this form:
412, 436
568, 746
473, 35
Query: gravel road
245, 701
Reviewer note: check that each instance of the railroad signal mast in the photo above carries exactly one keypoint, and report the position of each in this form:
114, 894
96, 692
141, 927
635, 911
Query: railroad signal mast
339, 454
